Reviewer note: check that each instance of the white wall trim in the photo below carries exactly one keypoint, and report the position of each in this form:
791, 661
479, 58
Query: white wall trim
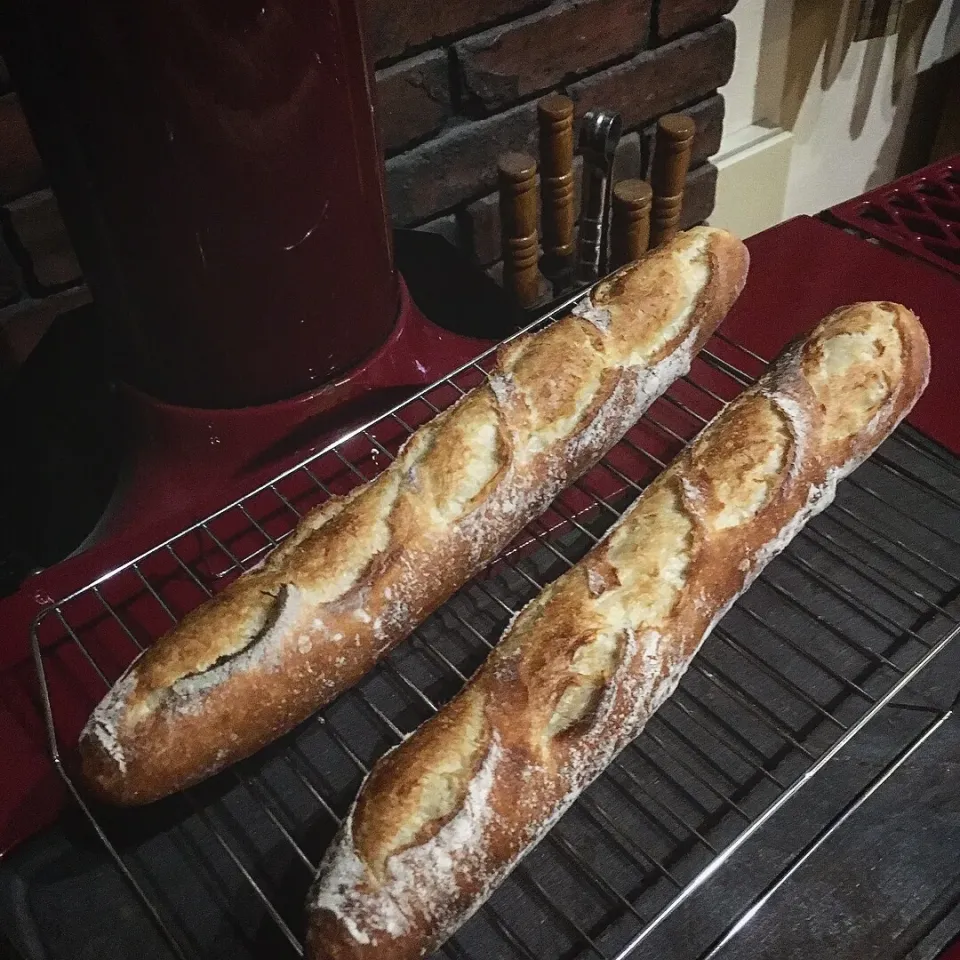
752, 179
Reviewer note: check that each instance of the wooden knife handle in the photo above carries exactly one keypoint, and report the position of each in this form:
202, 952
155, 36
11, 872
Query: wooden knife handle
671, 160
517, 174
555, 118
630, 234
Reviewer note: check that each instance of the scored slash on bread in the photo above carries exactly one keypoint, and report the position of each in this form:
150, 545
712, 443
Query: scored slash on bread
444, 816
362, 571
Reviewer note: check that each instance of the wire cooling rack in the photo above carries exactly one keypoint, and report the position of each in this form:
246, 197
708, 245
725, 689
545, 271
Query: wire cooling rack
853, 610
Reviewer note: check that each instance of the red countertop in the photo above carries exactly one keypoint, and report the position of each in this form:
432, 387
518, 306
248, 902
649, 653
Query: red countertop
800, 271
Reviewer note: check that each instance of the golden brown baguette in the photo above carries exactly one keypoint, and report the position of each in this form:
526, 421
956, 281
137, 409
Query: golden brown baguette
448, 813
361, 572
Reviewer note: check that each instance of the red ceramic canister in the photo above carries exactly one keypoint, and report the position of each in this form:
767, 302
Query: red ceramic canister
216, 162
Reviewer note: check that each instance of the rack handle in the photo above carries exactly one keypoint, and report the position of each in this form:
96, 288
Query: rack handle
517, 176
671, 161
555, 119
630, 233
599, 136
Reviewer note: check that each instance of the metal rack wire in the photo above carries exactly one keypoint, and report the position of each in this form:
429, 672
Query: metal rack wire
856, 607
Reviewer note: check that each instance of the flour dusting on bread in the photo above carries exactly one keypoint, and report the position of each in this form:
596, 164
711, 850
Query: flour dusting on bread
263, 654
580, 671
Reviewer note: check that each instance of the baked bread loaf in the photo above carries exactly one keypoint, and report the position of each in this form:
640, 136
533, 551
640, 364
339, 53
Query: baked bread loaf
362, 571
445, 816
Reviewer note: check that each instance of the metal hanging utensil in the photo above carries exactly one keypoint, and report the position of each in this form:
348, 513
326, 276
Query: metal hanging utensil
599, 136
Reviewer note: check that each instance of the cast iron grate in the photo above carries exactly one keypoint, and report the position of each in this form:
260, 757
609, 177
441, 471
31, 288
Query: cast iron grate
919, 213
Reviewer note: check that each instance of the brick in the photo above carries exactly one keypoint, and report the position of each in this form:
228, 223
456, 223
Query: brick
675, 17
413, 99
657, 81
482, 229
396, 26
447, 227
495, 272
699, 195
530, 55
21, 170
708, 116
458, 165
39, 241
482, 218
24, 324
628, 162
10, 290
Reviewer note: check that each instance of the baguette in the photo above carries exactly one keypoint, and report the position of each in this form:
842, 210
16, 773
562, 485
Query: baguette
447, 814
362, 571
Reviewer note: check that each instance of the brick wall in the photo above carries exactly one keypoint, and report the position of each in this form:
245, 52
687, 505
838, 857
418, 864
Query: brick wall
39, 275
457, 84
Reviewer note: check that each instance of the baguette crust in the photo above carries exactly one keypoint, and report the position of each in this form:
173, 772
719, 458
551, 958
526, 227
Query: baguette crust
448, 813
362, 571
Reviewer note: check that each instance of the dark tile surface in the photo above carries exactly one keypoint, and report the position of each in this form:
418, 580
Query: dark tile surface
867, 892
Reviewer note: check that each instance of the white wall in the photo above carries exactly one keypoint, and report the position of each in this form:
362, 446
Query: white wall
763, 33
755, 153
843, 106
850, 118
943, 37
